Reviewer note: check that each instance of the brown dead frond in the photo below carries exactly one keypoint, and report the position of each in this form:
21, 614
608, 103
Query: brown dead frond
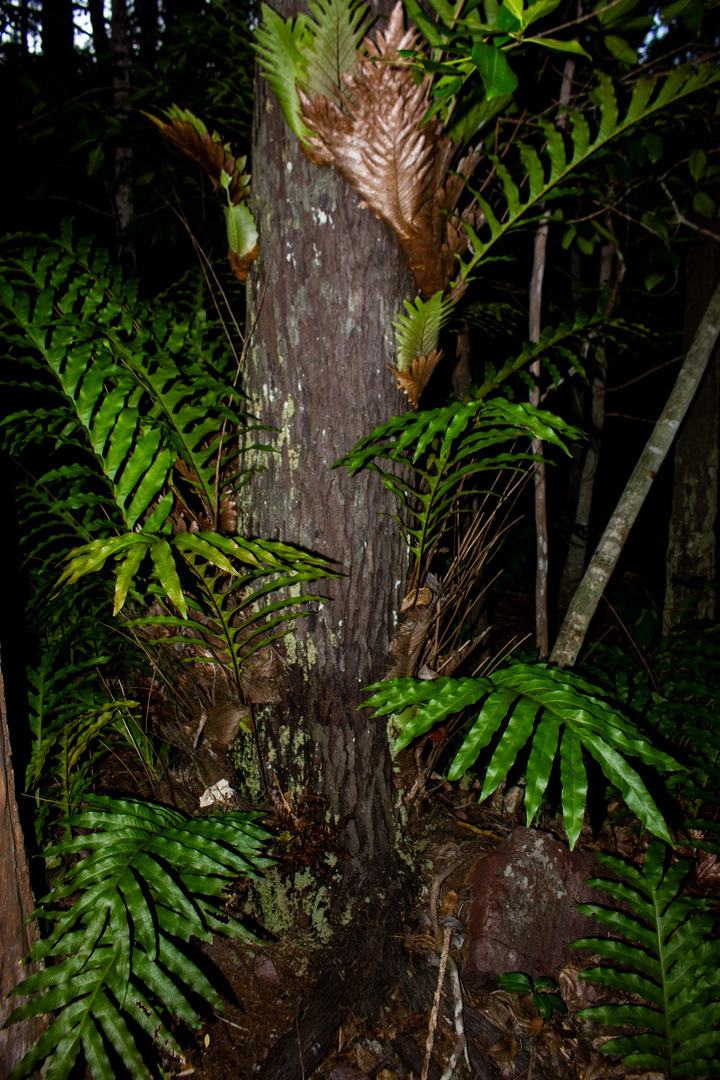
414, 381
377, 138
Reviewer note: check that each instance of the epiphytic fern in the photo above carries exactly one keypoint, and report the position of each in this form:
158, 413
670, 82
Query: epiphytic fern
337, 28
190, 135
149, 879
444, 452
382, 134
668, 957
566, 156
548, 710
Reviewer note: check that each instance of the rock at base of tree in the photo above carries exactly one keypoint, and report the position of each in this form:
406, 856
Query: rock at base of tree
524, 912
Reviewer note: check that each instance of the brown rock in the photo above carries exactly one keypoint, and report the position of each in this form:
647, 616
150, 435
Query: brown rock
524, 913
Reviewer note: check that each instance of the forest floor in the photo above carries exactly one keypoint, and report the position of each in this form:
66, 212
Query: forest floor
507, 1037
268, 982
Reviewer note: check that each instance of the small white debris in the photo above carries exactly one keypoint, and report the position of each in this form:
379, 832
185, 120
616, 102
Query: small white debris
220, 792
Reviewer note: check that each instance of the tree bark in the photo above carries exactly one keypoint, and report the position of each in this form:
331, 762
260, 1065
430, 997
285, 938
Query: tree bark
124, 207
585, 601
16, 907
99, 29
328, 283
692, 540
542, 625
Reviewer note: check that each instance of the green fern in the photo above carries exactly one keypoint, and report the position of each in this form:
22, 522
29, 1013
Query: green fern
312, 52
282, 46
338, 28
565, 157
443, 454
122, 963
546, 710
119, 392
649, 97
667, 944
158, 432
676, 690
219, 584
418, 333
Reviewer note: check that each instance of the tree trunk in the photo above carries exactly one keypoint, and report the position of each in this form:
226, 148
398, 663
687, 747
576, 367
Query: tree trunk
577, 553
577, 621
16, 907
691, 540
542, 552
328, 283
124, 207
96, 10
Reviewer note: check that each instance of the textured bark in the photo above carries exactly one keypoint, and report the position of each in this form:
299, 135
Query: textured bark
328, 283
542, 625
16, 906
124, 207
577, 621
692, 540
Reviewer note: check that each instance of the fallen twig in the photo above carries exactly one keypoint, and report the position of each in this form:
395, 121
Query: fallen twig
447, 934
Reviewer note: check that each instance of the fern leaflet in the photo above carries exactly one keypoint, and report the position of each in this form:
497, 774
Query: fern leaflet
673, 961
533, 705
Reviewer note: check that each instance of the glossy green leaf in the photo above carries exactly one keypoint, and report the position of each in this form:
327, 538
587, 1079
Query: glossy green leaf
495, 71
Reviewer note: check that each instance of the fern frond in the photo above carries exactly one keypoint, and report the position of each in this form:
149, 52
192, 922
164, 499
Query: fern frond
282, 46
338, 28
443, 454
378, 140
219, 584
649, 97
418, 332
674, 962
207, 150
125, 398
537, 706
153, 879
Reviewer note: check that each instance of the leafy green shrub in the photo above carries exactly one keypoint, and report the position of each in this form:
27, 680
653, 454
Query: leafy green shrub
673, 961
118, 961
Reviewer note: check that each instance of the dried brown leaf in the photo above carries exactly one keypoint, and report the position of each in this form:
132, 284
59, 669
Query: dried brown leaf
414, 381
504, 1049
449, 904
377, 140
417, 598
240, 266
407, 642
209, 152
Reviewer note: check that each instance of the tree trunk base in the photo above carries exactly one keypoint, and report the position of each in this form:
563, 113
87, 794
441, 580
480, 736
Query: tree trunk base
369, 964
